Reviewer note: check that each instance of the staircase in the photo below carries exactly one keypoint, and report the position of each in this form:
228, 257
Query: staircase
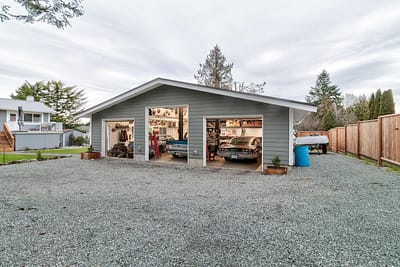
6, 140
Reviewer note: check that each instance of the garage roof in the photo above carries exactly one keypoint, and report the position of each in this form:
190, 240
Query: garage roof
196, 87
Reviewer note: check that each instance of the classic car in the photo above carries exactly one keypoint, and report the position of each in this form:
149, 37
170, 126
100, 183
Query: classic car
241, 147
162, 142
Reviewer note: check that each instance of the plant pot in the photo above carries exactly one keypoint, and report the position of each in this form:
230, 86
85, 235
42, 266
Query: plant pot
90, 155
272, 170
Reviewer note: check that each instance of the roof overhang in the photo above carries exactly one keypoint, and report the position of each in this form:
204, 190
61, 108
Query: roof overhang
297, 105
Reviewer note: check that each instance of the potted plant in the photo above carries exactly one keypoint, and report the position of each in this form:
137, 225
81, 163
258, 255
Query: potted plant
91, 154
276, 169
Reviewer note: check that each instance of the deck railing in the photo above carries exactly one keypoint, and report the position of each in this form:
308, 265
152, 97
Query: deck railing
8, 135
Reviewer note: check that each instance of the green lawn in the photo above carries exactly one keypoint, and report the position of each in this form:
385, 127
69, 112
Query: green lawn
13, 157
61, 151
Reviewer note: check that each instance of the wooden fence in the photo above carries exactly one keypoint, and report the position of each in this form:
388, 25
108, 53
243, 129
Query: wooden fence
376, 139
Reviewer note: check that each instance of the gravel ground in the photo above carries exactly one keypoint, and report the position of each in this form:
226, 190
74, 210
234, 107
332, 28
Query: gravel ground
70, 212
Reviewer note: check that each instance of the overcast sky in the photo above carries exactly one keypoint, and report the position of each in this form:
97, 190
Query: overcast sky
113, 48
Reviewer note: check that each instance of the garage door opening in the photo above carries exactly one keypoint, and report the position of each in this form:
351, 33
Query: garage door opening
234, 143
120, 138
168, 134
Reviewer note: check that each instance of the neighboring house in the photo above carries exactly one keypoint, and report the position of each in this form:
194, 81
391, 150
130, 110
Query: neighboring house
209, 115
71, 132
33, 129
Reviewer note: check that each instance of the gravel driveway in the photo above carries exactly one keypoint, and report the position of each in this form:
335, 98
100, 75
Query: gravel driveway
70, 212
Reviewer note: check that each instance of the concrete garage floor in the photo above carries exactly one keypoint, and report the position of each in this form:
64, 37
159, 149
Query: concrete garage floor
219, 162
72, 212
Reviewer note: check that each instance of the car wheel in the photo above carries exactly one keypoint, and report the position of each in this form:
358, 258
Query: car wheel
175, 156
227, 159
324, 148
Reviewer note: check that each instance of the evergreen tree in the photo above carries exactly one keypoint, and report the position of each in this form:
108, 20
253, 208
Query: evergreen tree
54, 12
28, 89
324, 88
215, 72
378, 103
361, 108
65, 100
326, 114
328, 122
371, 106
387, 102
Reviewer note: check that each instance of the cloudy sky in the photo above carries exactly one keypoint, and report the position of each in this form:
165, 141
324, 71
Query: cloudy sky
113, 48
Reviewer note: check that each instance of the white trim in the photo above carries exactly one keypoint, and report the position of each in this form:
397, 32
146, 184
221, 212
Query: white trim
160, 81
103, 138
250, 117
262, 144
91, 130
204, 141
146, 133
188, 136
291, 138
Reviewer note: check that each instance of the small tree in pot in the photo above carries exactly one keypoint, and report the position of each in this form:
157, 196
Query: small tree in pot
276, 169
91, 154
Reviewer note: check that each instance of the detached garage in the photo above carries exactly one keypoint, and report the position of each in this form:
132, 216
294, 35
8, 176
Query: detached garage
180, 122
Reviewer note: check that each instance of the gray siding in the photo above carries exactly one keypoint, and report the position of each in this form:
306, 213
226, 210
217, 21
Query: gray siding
66, 135
3, 118
36, 140
276, 124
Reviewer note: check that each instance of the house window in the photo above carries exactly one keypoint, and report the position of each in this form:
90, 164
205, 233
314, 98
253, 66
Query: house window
13, 117
37, 118
29, 117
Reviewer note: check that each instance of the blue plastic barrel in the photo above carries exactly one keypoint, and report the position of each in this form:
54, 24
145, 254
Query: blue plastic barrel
301, 156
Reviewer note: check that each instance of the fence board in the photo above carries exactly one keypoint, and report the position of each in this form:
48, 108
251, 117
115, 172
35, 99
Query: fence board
352, 139
391, 138
369, 139
332, 139
341, 139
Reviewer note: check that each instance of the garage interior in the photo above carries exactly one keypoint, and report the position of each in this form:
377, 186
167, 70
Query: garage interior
223, 134
120, 138
167, 124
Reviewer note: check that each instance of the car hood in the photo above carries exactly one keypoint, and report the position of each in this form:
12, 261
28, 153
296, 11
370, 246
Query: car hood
229, 146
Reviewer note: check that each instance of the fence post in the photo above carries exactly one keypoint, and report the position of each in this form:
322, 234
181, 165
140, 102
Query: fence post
358, 139
337, 139
345, 139
379, 141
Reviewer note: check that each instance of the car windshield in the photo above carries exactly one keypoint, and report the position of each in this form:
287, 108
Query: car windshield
240, 140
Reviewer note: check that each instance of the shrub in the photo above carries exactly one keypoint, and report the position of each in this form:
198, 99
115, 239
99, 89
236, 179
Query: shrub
39, 155
276, 161
79, 141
